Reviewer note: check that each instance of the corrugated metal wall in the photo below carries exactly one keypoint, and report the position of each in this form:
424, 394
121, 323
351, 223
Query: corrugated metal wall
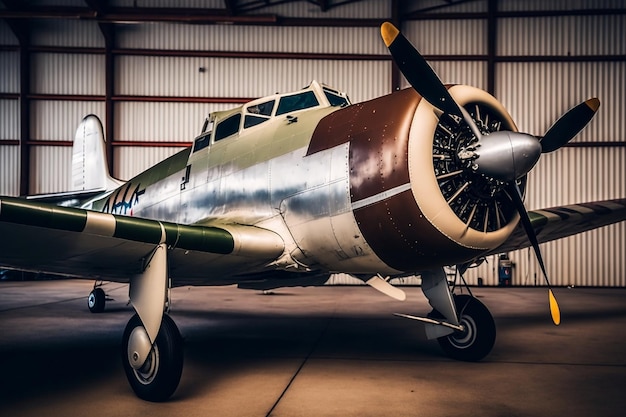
441, 38
213, 4
10, 168
331, 40
542, 5
227, 77
536, 94
75, 32
134, 159
57, 120
448, 37
562, 35
533, 85
59, 74
54, 73
10, 70
9, 113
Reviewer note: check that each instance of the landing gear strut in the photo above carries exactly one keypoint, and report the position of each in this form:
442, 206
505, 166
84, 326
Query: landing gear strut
152, 348
462, 325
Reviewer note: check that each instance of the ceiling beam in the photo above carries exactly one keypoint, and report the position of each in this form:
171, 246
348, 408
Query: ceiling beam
13, 4
98, 6
323, 5
98, 12
231, 7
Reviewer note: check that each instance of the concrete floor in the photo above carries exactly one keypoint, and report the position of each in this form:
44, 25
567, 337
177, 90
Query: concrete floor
314, 352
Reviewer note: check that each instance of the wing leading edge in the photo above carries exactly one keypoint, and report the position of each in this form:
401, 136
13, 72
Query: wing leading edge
76, 242
562, 221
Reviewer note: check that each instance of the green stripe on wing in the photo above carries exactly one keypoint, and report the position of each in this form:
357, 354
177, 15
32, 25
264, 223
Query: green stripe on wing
200, 238
30, 213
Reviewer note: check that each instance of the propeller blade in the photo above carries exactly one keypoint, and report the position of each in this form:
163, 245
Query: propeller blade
568, 125
417, 71
515, 194
421, 76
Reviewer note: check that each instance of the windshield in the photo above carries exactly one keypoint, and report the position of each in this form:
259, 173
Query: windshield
297, 102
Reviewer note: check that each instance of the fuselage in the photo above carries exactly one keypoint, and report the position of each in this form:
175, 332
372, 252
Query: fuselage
349, 188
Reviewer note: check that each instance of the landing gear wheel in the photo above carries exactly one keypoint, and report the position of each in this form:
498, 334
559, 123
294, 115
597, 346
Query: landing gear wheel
96, 300
159, 376
479, 336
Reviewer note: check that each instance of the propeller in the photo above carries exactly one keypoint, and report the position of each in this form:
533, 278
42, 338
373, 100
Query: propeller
568, 126
502, 156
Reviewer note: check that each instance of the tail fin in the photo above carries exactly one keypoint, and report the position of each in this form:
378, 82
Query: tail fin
89, 162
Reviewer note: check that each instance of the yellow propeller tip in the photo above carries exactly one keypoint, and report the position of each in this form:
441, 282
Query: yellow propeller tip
389, 33
554, 309
593, 104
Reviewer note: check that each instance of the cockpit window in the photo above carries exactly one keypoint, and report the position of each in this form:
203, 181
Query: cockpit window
297, 102
263, 109
201, 142
228, 127
250, 121
335, 99
258, 114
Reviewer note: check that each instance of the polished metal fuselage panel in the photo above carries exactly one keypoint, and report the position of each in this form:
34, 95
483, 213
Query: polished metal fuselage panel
261, 177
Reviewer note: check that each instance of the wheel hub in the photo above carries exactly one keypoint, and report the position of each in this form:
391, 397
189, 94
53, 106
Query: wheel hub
150, 367
91, 300
139, 347
466, 337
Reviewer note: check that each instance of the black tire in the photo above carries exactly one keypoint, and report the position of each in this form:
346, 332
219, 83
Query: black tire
480, 335
159, 377
96, 300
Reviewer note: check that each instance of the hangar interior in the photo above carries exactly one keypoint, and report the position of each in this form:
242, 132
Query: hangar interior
153, 70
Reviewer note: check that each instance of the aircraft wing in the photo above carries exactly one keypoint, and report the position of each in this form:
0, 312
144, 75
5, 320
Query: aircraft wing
40, 237
558, 222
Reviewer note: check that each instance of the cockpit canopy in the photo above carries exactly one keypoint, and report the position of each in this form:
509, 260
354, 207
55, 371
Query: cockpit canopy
224, 124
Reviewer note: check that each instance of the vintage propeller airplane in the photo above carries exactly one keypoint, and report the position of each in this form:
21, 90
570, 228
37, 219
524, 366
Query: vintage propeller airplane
293, 187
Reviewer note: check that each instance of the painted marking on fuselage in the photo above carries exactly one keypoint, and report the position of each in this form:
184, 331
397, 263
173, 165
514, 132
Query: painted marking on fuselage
121, 202
381, 196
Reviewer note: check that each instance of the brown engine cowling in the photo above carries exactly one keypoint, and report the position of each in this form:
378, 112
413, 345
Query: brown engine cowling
416, 203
